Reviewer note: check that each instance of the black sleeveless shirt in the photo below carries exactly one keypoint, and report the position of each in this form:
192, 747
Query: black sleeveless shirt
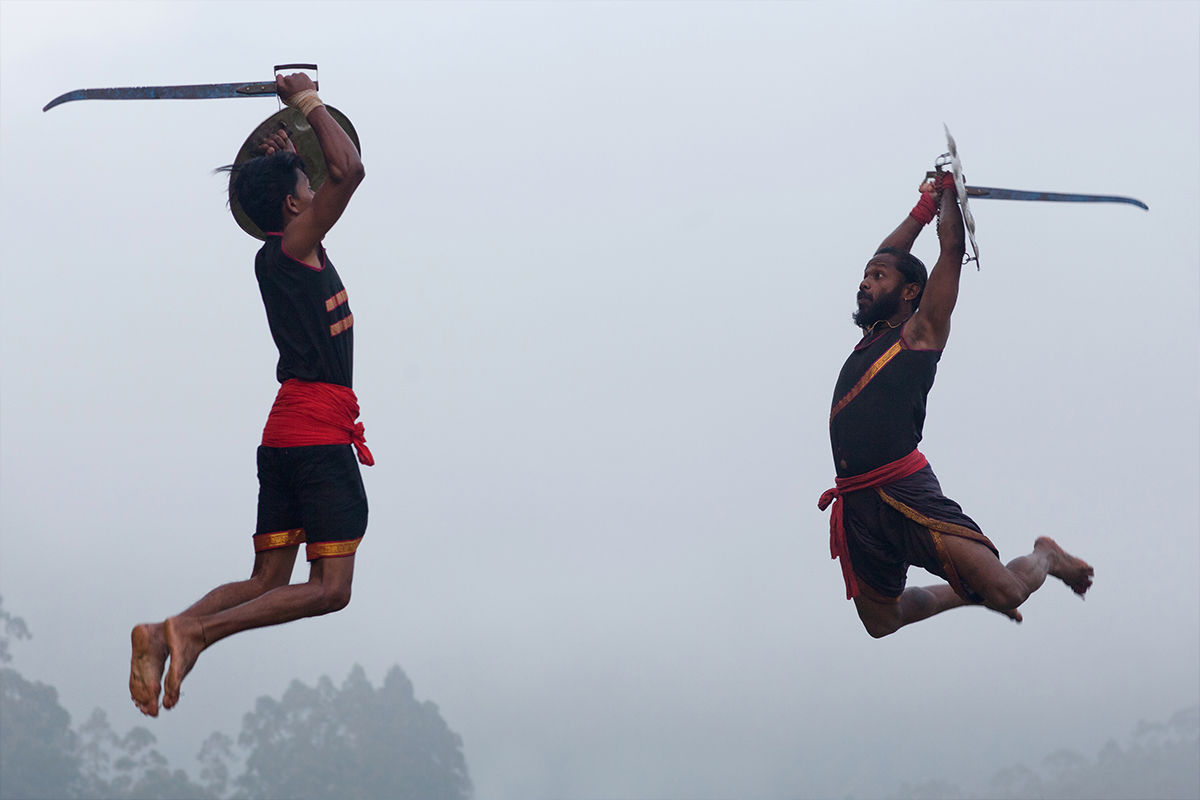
308, 314
884, 421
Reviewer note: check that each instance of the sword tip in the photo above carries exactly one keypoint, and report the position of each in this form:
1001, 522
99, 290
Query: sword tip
62, 98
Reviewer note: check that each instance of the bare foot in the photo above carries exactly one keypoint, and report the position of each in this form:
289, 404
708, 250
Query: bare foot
185, 641
146, 666
1074, 572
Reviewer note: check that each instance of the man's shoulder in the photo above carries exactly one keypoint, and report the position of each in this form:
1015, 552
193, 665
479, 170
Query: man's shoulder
271, 247
266, 256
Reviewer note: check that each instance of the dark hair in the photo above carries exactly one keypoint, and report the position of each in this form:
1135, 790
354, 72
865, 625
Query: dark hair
262, 184
910, 267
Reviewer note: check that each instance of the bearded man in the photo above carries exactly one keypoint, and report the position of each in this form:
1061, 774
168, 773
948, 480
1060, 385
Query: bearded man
888, 508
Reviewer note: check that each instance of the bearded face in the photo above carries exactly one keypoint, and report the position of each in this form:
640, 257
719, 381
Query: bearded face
883, 307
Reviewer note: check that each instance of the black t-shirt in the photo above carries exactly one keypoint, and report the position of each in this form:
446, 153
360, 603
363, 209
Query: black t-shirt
309, 316
884, 422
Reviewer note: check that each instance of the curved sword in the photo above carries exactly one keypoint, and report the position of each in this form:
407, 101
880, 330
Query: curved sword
989, 193
198, 91
205, 91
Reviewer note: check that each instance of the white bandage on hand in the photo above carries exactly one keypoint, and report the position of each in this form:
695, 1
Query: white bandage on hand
305, 101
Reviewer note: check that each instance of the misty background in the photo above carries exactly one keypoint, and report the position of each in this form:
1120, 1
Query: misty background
602, 270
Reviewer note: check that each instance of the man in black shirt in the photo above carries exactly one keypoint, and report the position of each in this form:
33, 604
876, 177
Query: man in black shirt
889, 511
310, 490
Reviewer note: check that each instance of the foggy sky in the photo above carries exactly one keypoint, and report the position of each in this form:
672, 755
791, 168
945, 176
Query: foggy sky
602, 270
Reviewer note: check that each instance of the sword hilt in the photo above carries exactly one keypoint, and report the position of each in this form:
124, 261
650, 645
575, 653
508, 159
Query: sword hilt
278, 68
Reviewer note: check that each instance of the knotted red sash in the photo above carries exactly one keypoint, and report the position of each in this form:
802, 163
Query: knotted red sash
888, 473
307, 413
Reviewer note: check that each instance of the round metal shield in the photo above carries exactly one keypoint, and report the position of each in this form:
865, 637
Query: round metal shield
306, 144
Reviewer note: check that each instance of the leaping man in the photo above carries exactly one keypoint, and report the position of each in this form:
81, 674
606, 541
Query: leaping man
310, 490
889, 512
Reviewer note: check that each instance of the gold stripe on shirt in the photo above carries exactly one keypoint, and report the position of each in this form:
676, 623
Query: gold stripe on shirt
341, 325
879, 364
335, 301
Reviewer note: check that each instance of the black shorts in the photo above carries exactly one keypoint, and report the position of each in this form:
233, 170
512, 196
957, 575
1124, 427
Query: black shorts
310, 494
902, 525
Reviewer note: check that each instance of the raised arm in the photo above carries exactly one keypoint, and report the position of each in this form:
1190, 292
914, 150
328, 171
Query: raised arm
929, 328
905, 234
907, 231
342, 162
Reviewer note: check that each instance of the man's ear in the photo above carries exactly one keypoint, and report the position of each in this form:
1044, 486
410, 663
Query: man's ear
911, 292
290, 206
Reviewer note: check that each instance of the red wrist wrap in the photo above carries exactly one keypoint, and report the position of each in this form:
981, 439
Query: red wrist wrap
925, 209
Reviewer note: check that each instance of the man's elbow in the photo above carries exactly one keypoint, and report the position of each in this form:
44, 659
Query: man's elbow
352, 173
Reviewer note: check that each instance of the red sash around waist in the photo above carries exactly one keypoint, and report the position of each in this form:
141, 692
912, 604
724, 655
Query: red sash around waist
888, 473
308, 413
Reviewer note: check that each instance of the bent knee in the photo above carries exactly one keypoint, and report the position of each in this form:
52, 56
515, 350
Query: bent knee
880, 628
335, 598
880, 621
1003, 597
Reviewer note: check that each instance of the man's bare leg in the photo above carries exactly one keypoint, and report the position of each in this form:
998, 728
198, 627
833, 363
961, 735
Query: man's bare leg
916, 604
1006, 586
187, 636
1003, 587
272, 568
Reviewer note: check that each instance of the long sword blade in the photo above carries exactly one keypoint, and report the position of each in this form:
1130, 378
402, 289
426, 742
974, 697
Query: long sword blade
203, 91
988, 193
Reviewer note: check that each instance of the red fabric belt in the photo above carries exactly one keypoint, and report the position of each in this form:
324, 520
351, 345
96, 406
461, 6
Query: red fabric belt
307, 413
888, 473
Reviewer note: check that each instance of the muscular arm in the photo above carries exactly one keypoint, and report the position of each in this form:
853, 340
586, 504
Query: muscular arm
903, 237
344, 173
906, 232
929, 328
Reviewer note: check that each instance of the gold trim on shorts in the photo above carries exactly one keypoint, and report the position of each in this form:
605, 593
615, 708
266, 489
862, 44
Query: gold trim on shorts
936, 528
272, 541
874, 596
341, 549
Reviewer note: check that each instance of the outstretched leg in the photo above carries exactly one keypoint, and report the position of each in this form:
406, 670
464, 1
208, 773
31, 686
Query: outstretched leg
915, 604
1002, 586
272, 569
187, 635
1006, 586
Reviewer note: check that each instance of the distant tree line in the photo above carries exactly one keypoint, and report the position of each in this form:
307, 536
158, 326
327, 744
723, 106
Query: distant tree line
356, 743
1162, 762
